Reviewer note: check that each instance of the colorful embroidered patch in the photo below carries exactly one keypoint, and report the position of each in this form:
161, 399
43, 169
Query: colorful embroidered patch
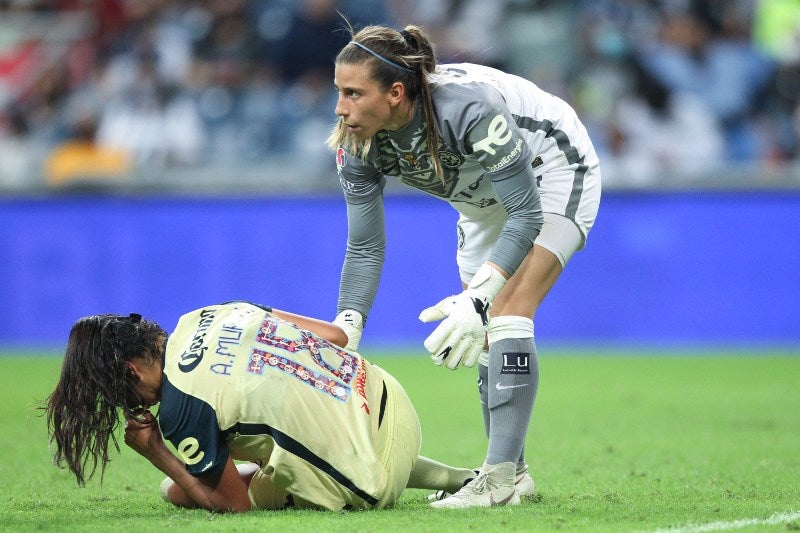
268, 336
260, 359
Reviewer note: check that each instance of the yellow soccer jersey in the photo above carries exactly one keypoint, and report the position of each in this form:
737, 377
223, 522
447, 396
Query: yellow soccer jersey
241, 382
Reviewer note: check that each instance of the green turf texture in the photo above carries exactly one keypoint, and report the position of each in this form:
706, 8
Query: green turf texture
618, 442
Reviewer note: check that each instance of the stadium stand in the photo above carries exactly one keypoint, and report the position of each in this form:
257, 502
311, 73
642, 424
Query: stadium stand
224, 93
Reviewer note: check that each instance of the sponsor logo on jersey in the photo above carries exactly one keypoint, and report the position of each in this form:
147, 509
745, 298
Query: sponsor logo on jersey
508, 158
190, 358
460, 232
341, 158
498, 135
361, 385
450, 159
189, 450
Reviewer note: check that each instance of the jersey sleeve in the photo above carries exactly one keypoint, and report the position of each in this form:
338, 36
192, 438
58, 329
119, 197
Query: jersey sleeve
480, 119
360, 181
475, 117
362, 185
191, 426
494, 138
520, 197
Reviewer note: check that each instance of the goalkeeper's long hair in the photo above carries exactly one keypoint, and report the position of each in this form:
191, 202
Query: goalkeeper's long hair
406, 56
82, 412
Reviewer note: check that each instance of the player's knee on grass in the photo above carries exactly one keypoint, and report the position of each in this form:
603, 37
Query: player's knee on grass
164, 489
173, 494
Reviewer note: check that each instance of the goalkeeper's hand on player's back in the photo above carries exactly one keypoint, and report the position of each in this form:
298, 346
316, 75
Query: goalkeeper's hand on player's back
461, 336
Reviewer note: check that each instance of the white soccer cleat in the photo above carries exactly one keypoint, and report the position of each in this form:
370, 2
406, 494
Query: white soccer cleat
524, 483
494, 486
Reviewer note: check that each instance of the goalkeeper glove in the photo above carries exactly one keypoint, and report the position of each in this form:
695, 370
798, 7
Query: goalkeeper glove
352, 322
460, 338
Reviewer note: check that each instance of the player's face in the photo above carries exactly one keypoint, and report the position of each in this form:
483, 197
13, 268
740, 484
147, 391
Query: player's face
363, 105
147, 384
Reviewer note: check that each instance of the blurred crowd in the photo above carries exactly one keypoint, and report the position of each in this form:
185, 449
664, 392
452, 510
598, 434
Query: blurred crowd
107, 89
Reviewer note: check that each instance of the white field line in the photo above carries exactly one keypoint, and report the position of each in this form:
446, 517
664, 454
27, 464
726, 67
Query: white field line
774, 520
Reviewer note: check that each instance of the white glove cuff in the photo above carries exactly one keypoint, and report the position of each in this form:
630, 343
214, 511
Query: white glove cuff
488, 281
352, 322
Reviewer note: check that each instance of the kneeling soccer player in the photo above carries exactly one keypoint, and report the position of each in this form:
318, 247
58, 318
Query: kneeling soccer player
319, 425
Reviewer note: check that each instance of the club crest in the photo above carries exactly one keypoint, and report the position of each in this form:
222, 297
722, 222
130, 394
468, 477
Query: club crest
450, 159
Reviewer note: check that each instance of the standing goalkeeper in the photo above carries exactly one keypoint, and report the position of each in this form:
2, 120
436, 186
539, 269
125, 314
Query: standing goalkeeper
520, 169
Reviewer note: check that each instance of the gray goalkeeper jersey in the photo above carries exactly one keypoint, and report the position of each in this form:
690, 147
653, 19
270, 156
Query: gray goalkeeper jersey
504, 145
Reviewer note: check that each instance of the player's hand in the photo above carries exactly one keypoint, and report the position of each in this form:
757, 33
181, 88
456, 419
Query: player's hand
460, 338
352, 322
143, 434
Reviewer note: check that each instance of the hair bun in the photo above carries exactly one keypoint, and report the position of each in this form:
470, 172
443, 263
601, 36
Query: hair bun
408, 38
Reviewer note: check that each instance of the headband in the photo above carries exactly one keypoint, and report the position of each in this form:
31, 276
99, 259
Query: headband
376, 54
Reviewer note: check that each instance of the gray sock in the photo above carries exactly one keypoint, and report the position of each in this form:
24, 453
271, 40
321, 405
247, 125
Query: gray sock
512, 383
483, 391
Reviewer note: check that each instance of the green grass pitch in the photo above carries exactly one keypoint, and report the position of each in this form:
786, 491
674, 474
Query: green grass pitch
619, 442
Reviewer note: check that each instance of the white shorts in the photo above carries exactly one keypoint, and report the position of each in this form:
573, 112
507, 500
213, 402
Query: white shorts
559, 235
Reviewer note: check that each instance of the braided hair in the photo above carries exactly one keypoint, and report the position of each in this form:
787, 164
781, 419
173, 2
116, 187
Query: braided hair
82, 410
405, 56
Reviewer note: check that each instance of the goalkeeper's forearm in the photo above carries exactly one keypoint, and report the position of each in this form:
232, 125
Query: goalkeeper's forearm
327, 330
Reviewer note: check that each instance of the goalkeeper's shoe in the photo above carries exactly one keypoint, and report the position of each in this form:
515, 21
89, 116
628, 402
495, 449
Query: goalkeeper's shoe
523, 482
494, 486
